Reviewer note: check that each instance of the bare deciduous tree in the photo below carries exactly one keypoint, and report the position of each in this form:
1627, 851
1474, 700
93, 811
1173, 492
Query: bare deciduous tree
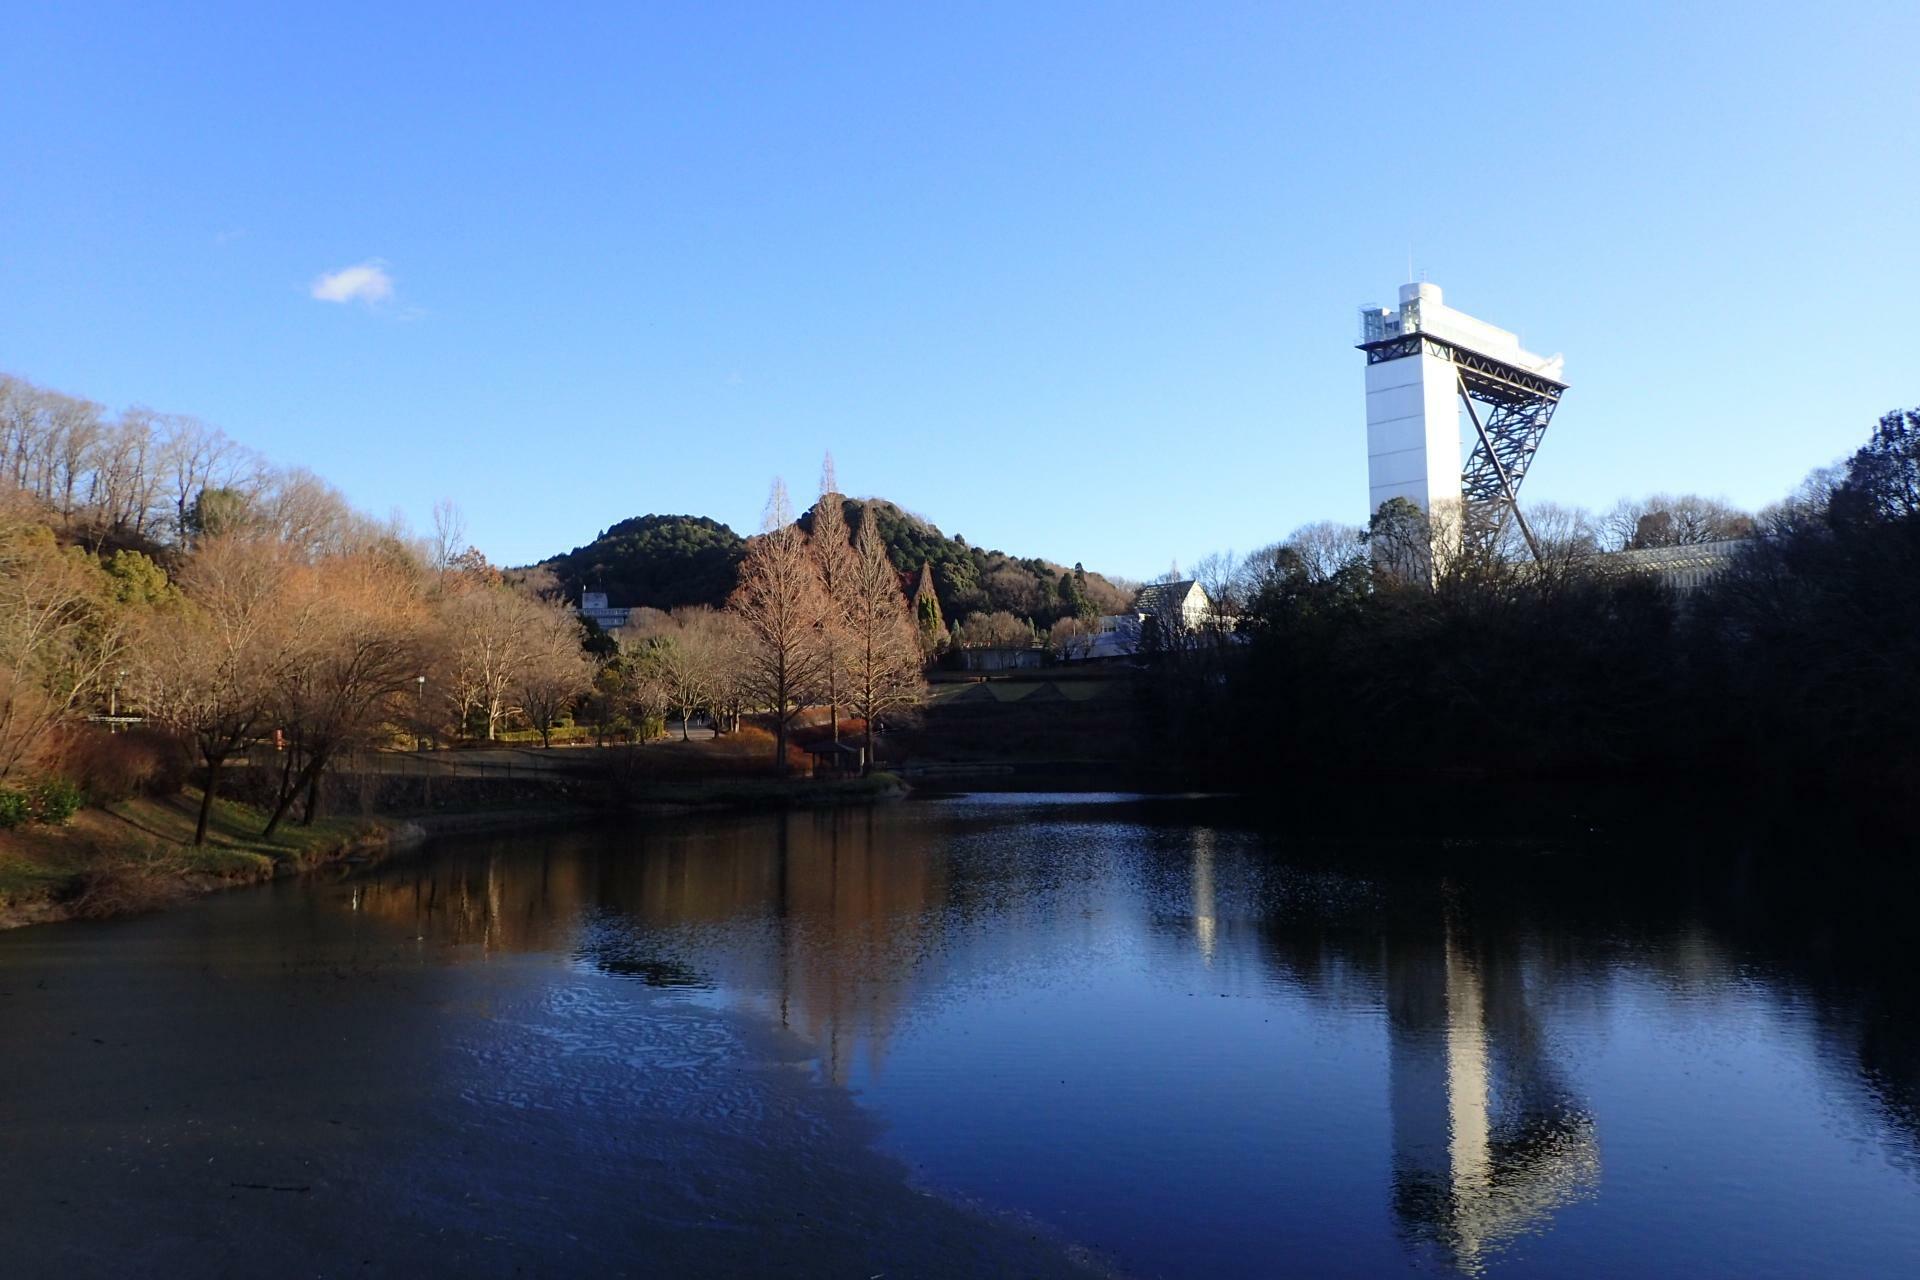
76, 430
309, 515
1111, 596
833, 552
1016, 588
882, 649
1222, 575
210, 669
1671, 520
124, 486
695, 652
1072, 639
487, 642
999, 630
58, 638
1567, 539
449, 536
197, 457
356, 624
732, 644
782, 602
1326, 547
556, 672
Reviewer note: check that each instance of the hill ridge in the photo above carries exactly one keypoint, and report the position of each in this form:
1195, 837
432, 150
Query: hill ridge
665, 561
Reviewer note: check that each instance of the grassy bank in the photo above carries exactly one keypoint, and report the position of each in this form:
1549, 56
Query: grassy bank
139, 853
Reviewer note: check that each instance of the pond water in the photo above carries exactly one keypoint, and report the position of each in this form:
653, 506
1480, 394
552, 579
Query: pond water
981, 1035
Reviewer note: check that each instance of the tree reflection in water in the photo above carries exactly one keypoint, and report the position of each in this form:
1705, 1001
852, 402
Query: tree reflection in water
807, 917
843, 926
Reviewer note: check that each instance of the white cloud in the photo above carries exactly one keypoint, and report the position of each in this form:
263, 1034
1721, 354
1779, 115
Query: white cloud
366, 282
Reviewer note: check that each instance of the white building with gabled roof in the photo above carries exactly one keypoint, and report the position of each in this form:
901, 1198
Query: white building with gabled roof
1185, 600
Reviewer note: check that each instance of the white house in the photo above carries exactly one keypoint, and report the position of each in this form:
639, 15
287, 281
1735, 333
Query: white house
1185, 601
1118, 635
594, 606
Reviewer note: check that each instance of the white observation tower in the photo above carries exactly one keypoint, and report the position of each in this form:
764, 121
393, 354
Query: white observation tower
1426, 365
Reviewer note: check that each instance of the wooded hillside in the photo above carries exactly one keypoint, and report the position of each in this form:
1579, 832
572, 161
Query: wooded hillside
664, 562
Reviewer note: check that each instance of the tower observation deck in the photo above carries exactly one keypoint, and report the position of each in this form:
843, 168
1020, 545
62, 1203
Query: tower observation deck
1429, 365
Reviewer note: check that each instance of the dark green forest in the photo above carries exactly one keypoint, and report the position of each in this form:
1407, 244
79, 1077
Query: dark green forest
664, 562
1800, 662
660, 562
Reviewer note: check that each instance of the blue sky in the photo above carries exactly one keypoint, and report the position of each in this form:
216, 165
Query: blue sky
1072, 280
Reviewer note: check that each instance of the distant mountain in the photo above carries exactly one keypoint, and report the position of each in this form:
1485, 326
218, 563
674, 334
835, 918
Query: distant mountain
663, 562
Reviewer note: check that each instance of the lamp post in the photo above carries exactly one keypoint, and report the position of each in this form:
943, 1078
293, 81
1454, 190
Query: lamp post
113, 701
419, 712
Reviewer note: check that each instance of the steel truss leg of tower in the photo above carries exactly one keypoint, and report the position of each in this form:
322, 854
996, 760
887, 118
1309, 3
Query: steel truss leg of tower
1507, 440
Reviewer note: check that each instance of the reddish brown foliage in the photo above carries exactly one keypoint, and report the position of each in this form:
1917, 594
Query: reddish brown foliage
117, 766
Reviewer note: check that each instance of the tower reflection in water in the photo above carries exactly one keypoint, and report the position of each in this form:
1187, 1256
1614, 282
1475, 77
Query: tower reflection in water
1488, 1139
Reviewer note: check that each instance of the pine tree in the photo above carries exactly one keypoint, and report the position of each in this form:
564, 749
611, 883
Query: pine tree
926, 614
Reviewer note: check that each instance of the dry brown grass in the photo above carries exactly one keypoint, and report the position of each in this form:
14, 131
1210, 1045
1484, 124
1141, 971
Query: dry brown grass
125, 889
746, 752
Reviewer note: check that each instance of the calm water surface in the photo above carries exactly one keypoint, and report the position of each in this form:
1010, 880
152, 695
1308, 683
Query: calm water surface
994, 1035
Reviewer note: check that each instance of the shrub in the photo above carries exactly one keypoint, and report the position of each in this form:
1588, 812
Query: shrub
118, 766
55, 801
16, 807
750, 748
124, 889
564, 733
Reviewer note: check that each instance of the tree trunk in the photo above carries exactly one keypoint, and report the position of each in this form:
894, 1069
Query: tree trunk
283, 794
288, 780
289, 788
313, 791
206, 801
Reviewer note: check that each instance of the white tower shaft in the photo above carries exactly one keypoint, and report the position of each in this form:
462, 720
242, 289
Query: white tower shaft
1413, 432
